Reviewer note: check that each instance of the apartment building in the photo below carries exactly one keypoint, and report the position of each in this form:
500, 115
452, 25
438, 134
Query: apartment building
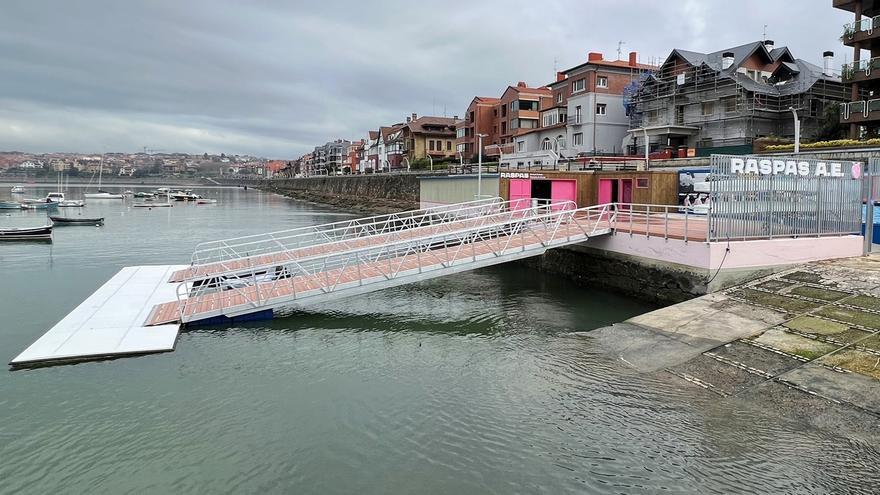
862, 110
329, 158
481, 117
585, 114
720, 102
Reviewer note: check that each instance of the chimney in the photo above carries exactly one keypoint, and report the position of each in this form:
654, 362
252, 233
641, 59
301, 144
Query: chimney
633, 59
769, 44
828, 57
560, 76
455, 117
414, 116
521, 84
726, 60
408, 120
594, 57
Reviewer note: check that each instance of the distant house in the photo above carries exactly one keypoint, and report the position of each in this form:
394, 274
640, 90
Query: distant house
429, 136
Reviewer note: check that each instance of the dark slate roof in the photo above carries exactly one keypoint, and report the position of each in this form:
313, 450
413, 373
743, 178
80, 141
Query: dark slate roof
805, 73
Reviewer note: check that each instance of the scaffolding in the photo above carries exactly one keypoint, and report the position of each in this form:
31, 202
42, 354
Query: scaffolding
731, 110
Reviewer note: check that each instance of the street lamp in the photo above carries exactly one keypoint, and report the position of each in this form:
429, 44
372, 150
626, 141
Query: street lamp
480, 167
407, 162
432, 161
797, 130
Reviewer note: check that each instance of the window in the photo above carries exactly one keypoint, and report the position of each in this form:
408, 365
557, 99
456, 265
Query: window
514, 124
431, 144
546, 145
708, 107
577, 114
461, 132
559, 97
448, 145
753, 75
504, 110
514, 105
601, 109
520, 146
528, 123
601, 82
730, 105
577, 139
550, 119
530, 105
641, 182
504, 127
560, 141
577, 86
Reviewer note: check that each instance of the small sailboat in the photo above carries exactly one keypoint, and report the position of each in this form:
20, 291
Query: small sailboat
101, 194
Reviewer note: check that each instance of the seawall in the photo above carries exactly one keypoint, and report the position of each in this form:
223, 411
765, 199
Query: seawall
385, 193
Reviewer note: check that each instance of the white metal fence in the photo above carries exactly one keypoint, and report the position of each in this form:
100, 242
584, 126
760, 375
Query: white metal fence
766, 197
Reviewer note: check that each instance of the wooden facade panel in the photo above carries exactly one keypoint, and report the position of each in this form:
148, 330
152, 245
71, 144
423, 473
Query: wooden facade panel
662, 185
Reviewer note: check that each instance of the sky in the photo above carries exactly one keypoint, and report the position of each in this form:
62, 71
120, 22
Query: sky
275, 78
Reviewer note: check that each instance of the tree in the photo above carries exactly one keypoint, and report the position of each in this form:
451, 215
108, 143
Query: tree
830, 127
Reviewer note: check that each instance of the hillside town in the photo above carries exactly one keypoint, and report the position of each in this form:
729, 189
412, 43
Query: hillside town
20, 165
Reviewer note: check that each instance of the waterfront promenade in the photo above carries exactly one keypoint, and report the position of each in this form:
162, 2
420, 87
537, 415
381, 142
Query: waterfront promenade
813, 329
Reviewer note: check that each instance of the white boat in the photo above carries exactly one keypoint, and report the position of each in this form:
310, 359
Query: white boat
55, 197
185, 196
151, 205
102, 194
71, 203
206, 201
17, 190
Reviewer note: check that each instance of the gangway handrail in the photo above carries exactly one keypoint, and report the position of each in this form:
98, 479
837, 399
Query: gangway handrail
236, 244
519, 222
494, 220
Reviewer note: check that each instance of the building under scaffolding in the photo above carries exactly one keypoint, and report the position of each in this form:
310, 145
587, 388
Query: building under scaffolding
721, 102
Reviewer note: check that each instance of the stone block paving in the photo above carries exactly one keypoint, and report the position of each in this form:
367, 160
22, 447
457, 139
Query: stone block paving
828, 347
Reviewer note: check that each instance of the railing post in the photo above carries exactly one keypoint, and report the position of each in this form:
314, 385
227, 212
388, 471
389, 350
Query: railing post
648, 220
686, 214
666, 223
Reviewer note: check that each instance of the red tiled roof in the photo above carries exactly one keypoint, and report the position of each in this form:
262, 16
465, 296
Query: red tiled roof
374, 134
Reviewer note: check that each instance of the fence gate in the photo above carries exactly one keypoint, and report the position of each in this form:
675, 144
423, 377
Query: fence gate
759, 197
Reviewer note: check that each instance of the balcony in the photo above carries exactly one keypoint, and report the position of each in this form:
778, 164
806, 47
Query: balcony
869, 7
860, 111
861, 70
866, 32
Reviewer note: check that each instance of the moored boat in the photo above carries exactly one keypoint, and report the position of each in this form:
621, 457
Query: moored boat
17, 189
26, 234
76, 220
142, 194
103, 195
151, 205
45, 205
9, 205
71, 203
206, 201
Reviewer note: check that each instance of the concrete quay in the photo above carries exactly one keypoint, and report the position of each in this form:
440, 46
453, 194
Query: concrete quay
808, 336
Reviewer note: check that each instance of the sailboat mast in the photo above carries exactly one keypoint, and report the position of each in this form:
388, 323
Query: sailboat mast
100, 171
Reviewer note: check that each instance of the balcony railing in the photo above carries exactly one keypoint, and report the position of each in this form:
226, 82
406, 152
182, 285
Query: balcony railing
864, 26
851, 70
859, 110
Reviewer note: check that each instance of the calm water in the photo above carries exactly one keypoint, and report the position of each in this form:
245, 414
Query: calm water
469, 384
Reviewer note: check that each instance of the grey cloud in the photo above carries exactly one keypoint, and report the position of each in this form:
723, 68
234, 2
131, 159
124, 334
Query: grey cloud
274, 78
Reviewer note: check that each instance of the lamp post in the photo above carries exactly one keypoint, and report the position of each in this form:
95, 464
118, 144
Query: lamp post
431, 160
480, 167
797, 130
407, 163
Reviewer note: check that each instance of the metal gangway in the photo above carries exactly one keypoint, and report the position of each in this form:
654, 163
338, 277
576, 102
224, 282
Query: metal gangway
257, 274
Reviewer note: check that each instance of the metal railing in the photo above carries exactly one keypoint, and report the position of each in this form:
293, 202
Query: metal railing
493, 239
254, 245
767, 206
867, 25
687, 223
849, 70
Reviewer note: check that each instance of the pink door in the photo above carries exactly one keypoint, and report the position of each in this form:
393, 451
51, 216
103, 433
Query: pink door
606, 188
563, 190
520, 193
626, 191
